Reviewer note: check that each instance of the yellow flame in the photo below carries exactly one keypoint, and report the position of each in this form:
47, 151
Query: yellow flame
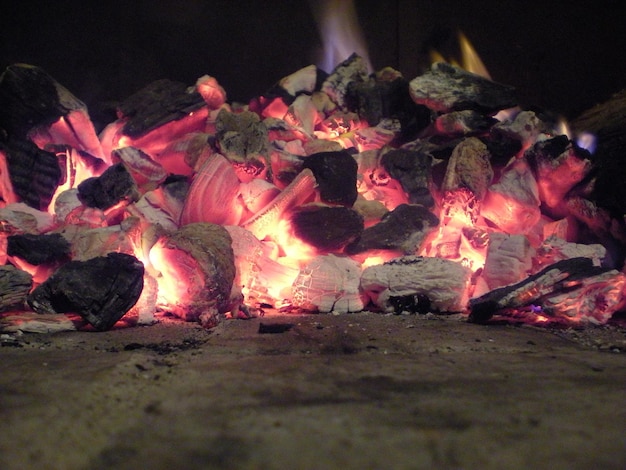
470, 60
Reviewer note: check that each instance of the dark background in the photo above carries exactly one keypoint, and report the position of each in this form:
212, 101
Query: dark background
562, 56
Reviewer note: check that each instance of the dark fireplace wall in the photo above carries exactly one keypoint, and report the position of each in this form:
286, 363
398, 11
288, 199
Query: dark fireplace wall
561, 56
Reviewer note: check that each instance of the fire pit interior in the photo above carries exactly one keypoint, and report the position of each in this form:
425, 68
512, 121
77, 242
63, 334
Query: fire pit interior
358, 204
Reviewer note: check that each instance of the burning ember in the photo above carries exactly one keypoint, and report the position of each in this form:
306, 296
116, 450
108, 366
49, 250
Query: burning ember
332, 192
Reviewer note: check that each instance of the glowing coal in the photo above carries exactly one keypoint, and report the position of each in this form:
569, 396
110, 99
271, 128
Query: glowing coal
337, 191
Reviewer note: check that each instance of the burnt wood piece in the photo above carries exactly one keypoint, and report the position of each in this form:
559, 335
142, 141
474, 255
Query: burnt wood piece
402, 229
34, 173
243, 140
197, 266
462, 123
158, 103
501, 147
29, 97
607, 122
445, 88
413, 170
554, 279
336, 176
351, 70
558, 165
114, 185
15, 285
327, 228
101, 290
374, 100
39, 249
469, 167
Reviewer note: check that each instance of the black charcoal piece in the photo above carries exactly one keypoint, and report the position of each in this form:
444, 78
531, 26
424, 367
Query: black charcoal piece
413, 170
327, 228
402, 229
114, 185
158, 103
446, 88
39, 249
553, 279
34, 173
15, 285
336, 176
101, 290
374, 100
29, 97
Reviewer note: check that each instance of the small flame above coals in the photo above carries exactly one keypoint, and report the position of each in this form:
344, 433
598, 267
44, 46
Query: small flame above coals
340, 33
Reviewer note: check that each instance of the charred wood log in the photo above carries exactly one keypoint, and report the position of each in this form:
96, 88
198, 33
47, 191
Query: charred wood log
158, 103
101, 290
351, 70
30, 175
197, 269
402, 229
380, 98
15, 285
34, 105
413, 169
29, 97
114, 185
558, 165
39, 249
326, 228
470, 168
572, 288
446, 88
336, 176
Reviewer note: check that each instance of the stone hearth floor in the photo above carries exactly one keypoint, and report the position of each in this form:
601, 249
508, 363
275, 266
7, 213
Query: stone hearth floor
359, 391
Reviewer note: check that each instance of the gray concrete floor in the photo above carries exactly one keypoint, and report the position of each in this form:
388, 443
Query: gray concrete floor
360, 391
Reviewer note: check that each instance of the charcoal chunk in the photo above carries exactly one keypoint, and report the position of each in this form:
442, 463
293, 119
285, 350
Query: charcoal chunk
336, 176
101, 290
446, 88
114, 185
402, 229
158, 103
38, 249
413, 170
35, 174
318, 226
29, 97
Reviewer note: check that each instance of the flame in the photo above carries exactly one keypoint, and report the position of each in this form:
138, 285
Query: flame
176, 280
457, 237
294, 251
470, 60
587, 141
340, 33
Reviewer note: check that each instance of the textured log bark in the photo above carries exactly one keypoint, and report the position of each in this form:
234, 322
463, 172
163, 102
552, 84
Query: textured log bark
101, 290
15, 285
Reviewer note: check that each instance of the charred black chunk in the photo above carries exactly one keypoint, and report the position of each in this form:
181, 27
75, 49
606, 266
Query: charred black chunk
38, 249
101, 290
114, 185
336, 176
